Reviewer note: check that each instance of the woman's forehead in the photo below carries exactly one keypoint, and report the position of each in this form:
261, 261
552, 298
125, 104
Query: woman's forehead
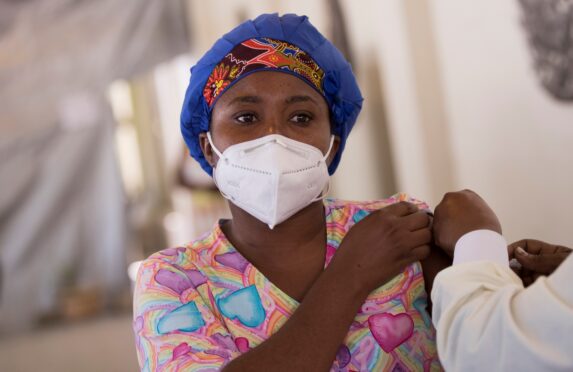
274, 85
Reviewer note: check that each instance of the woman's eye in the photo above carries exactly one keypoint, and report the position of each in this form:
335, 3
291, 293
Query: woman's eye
301, 118
246, 118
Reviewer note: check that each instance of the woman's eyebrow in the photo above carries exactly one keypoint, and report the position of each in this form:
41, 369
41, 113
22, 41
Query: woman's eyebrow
296, 99
245, 99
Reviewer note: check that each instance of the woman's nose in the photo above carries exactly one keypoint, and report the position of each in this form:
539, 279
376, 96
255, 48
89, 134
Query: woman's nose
274, 126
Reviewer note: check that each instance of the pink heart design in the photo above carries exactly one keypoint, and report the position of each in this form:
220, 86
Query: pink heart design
389, 330
242, 344
181, 349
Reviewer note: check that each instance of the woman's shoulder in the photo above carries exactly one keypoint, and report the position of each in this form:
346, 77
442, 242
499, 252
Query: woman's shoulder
372, 205
186, 256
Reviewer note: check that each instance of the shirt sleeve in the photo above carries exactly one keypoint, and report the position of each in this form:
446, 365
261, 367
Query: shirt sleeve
175, 328
486, 320
481, 245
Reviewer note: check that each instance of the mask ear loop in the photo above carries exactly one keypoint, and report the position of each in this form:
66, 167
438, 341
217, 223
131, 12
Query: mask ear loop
220, 157
329, 148
324, 193
213, 146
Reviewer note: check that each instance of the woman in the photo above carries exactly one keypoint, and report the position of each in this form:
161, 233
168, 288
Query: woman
292, 282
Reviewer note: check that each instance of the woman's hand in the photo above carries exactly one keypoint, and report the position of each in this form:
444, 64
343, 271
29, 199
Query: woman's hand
537, 258
382, 244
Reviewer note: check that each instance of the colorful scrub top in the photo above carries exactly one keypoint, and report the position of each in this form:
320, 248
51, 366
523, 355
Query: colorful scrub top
197, 307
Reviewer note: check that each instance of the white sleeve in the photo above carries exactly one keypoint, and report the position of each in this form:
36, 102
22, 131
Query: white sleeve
487, 321
481, 245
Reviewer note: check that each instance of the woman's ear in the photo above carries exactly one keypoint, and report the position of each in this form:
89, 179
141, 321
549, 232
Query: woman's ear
334, 150
207, 149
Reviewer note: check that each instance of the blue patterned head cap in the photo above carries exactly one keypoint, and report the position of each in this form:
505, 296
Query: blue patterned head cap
339, 85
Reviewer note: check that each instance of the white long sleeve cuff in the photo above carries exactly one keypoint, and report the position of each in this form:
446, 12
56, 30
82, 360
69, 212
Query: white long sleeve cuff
481, 245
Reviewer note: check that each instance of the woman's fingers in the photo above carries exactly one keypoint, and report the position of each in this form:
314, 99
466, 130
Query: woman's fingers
420, 237
400, 209
416, 221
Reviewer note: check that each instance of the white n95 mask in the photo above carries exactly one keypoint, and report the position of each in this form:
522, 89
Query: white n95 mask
272, 177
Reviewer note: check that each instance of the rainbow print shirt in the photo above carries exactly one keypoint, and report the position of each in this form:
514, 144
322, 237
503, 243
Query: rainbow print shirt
199, 306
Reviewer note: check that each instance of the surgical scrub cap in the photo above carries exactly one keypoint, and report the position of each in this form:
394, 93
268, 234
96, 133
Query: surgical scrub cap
287, 43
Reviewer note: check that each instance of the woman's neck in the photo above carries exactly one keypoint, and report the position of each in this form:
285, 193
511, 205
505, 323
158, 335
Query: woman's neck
288, 242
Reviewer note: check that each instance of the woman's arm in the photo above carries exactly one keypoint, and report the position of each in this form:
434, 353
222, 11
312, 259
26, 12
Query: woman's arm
437, 261
375, 249
310, 339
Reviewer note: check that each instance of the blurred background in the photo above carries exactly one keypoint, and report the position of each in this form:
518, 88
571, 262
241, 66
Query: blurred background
94, 175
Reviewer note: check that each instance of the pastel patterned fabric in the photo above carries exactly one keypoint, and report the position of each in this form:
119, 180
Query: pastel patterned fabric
261, 54
197, 307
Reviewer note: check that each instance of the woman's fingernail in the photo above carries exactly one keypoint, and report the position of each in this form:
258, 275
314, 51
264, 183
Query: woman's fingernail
521, 251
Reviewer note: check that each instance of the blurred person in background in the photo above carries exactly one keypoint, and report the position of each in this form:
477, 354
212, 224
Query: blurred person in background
294, 281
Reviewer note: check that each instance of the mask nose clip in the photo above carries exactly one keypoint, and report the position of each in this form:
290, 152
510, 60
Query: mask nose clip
279, 142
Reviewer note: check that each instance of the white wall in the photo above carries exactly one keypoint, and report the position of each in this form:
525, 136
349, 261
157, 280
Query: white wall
397, 36
511, 142
211, 19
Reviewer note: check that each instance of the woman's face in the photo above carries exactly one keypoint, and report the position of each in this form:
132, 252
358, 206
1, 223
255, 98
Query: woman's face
266, 103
